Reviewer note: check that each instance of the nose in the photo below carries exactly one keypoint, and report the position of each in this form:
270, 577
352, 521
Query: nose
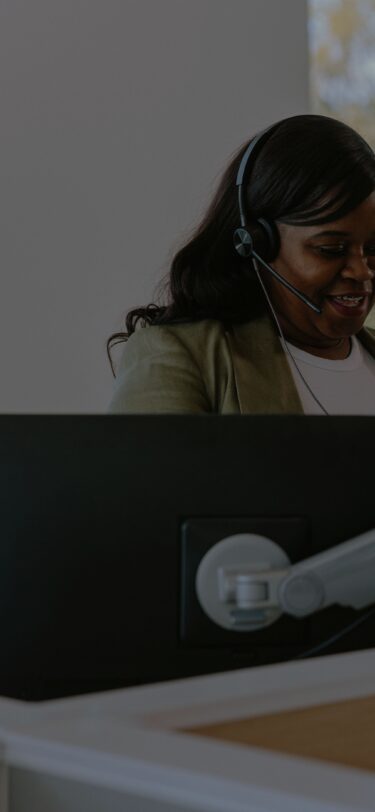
356, 267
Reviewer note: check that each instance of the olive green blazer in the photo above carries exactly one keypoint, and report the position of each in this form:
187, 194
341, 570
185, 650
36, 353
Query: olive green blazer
202, 366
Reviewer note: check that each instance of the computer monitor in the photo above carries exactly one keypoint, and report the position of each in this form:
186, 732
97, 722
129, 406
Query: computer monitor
105, 519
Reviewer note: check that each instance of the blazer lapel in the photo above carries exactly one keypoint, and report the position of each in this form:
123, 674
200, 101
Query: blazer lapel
263, 378
367, 338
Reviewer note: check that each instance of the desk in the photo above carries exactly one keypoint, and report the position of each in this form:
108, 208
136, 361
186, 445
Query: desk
221, 743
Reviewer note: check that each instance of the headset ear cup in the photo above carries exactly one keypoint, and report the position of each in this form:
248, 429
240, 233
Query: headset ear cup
262, 237
243, 242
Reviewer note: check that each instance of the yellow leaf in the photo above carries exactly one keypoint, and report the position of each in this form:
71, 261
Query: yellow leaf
346, 20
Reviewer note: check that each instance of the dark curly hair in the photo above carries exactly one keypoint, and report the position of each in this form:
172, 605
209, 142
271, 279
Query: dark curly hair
312, 169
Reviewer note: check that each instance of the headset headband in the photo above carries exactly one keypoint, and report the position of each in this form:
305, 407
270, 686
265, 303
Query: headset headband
245, 166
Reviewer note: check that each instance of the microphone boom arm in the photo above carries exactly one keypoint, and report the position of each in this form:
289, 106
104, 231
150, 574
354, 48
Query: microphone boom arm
287, 284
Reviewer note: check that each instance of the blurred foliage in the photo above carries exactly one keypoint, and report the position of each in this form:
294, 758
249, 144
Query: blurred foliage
342, 40
342, 73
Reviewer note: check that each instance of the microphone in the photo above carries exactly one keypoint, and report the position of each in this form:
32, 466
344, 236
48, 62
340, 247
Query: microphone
287, 284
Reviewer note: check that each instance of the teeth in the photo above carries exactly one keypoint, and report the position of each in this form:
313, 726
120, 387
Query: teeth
350, 300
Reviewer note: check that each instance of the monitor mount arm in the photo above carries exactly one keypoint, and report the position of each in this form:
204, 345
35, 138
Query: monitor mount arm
245, 582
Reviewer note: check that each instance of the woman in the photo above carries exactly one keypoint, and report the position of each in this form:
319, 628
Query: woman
268, 299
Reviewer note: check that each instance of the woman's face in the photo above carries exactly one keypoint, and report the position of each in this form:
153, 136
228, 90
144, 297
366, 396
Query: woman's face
326, 262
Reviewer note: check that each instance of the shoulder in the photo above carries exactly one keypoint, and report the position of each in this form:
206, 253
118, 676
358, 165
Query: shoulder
167, 368
367, 338
191, 337
185, 332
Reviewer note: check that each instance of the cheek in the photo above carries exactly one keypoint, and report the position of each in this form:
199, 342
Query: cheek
290, 263
306, 270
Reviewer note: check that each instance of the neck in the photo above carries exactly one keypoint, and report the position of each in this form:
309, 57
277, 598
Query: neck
336, 352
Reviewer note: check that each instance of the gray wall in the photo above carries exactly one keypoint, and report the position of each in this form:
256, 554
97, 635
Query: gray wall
117, 117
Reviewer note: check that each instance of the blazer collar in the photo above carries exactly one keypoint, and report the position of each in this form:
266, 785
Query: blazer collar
367, 338
264, 381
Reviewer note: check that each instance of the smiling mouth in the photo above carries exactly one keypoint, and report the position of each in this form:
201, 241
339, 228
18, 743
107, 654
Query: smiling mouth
349, 304
349, 301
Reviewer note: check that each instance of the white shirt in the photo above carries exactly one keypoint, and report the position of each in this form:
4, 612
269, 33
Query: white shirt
342, 387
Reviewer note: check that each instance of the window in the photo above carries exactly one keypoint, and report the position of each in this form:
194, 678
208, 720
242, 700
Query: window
342, 74
342, 47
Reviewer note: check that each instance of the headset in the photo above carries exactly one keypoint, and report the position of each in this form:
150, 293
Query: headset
261, 240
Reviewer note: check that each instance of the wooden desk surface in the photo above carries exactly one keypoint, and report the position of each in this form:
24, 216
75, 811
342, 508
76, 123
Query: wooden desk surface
338, 732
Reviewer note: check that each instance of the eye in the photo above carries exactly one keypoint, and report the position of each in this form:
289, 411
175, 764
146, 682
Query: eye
332, 250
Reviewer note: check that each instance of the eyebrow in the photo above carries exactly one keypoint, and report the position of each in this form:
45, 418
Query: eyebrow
332, 234
336, 234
